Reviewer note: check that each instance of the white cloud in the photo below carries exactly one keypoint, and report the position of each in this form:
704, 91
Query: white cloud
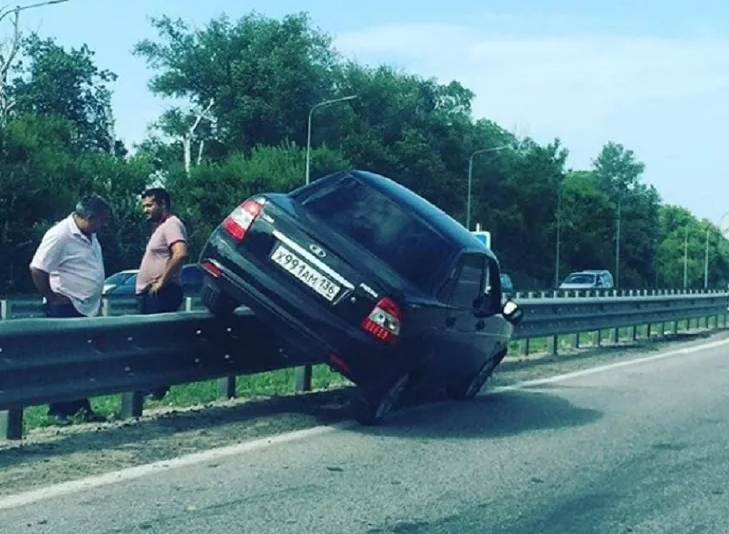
581, 75
655, 95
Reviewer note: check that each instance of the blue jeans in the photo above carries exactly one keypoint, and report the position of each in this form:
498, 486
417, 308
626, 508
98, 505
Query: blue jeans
70, 408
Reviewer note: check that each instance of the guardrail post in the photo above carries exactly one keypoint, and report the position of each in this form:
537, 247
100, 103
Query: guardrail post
11, 421
303, 379
132, 404
553, 345
11, 424
524, 347
597, 337
105, 307
226, 387
188, 304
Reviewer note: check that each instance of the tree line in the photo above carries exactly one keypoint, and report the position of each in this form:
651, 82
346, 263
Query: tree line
250, 86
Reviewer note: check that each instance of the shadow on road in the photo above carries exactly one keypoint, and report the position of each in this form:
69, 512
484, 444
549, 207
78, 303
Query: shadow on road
492, 415
179, 431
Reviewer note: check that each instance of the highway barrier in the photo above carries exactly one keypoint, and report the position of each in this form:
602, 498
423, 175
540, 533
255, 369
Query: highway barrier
50, 360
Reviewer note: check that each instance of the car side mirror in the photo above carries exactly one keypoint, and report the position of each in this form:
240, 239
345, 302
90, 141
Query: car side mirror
512, 312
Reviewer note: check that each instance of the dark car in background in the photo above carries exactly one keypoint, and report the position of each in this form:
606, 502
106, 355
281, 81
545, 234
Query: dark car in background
357, 271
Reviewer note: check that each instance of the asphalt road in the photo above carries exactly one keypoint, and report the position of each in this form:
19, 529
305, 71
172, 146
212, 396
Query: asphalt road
633, 449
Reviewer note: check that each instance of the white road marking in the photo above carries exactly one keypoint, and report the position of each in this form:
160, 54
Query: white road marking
131, 473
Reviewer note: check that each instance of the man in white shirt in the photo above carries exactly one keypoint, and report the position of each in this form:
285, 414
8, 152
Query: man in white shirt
68, 270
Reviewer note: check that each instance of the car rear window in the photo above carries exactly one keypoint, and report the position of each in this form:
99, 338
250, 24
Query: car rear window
379, 225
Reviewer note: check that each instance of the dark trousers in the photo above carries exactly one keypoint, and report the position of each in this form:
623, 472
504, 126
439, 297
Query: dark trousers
70, 408
167, 299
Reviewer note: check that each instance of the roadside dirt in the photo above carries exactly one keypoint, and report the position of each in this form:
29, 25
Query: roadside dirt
52, 455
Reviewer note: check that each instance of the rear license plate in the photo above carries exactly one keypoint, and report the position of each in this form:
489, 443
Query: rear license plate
305, 273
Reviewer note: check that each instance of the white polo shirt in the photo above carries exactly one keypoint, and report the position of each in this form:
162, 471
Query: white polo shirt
75, 264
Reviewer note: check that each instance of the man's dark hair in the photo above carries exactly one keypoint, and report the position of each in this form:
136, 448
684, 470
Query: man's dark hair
159, 195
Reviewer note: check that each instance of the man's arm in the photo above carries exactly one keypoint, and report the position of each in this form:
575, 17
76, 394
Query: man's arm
178, 257
41, 280
47, 257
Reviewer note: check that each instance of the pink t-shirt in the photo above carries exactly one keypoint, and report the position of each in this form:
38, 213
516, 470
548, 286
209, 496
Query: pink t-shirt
158, 253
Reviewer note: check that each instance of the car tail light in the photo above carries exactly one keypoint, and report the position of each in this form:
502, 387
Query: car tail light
384, 321
211, 267
242, 217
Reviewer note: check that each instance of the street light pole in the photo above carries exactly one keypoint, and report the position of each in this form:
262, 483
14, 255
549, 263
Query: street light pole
617, 246
706, 260
470, 179
559, 229
685, 259
308, 131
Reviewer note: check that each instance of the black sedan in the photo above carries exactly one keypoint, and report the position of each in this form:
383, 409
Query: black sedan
357, 271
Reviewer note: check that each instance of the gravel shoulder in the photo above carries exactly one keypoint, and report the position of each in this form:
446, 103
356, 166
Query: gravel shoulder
52, 455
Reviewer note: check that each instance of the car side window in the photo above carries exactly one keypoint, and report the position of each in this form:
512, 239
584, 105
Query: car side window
469, 282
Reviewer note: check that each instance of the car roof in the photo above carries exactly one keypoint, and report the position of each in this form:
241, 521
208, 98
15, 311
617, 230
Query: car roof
440, 221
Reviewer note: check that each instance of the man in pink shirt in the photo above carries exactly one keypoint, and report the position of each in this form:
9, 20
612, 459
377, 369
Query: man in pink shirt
159, 287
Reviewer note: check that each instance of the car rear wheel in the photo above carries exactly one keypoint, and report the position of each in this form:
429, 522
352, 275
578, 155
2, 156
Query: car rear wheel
369, 411
218, 303
469, 388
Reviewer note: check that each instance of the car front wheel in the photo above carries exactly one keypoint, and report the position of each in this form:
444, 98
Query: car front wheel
371, 411
469, 388
216, 302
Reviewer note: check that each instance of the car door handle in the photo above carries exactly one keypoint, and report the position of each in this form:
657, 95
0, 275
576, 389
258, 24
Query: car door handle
480, 325
450, 321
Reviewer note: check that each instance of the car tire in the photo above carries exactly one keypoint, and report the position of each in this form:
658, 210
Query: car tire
371, 411
467, 389
216, 302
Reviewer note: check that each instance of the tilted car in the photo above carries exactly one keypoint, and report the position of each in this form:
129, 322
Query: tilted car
357, 271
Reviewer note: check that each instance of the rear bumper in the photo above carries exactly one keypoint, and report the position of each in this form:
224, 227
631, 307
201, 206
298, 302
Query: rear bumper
309, 331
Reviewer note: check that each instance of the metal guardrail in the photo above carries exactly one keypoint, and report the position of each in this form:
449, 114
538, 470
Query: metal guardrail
30, 306
51, 360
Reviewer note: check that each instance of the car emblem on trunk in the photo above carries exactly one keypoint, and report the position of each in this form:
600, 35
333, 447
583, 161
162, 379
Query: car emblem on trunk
317, 250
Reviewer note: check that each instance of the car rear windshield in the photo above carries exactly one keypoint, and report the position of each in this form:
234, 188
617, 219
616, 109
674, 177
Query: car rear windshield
379, 225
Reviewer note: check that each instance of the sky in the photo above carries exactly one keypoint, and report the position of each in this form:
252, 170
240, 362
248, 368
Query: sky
653, 76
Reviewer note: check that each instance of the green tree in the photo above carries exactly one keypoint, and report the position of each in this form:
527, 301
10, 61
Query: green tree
617, 169
50, 80
213, 189
261, 74
588, 233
